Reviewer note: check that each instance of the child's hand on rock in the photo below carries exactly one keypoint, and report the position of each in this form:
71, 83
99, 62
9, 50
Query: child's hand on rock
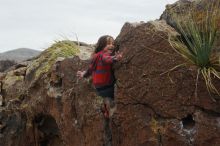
80, 74
118, 55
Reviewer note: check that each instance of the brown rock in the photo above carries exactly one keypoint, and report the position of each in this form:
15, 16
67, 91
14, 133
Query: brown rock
2, 76
20, 71
158, 106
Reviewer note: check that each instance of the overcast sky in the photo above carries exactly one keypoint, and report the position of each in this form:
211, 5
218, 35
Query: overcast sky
36, 24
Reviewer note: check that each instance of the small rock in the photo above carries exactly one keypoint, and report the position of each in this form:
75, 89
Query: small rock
59, 59
54, 92
22, 64
20, 71
2, 76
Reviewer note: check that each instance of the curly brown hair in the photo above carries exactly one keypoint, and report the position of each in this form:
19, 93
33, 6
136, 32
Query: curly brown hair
102, 42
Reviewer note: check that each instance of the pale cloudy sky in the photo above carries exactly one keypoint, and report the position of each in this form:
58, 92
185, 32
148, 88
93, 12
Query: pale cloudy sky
36, 24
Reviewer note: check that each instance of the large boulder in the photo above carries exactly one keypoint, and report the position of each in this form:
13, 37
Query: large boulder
49, 105
158, 103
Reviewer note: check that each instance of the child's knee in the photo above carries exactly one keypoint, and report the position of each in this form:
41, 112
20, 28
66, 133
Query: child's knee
109, 101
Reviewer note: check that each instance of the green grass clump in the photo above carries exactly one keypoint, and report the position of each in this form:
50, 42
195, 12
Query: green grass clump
198, 32
47, 58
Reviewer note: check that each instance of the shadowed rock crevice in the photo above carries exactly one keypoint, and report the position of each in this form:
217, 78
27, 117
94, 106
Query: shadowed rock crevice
46, 131
188, 122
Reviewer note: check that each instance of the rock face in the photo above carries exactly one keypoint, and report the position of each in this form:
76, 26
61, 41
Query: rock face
44, 104
50, 107
156, 98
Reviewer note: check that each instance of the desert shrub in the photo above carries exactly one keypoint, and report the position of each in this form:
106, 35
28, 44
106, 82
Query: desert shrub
198, 31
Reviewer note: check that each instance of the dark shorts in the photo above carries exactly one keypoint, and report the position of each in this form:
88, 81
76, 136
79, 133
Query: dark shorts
106, 91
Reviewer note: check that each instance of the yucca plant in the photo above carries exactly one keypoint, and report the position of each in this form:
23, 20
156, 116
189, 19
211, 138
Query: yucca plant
198, 32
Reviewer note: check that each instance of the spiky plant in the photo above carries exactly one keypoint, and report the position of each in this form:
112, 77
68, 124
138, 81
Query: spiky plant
198, 33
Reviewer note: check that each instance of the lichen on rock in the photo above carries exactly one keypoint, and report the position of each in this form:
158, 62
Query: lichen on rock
46, 59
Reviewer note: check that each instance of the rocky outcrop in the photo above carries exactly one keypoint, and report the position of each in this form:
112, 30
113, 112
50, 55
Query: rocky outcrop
157, 103
183, 9
157, 100
5, 64
50, 107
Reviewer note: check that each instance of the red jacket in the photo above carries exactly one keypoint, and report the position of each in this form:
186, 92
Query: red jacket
101, 69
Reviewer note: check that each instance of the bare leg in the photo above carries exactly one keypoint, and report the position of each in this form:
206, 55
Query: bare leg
110, 106
107, 132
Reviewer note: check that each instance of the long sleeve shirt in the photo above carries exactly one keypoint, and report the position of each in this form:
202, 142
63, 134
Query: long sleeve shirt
101, 69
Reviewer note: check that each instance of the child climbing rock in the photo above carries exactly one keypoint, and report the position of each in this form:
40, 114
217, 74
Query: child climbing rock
102, 73
103, 79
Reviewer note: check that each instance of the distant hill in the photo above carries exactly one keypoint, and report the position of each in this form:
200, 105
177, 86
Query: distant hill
19, 55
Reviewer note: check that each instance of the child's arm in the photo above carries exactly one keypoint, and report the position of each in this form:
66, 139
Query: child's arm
84, 74
111, 59
88, 72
